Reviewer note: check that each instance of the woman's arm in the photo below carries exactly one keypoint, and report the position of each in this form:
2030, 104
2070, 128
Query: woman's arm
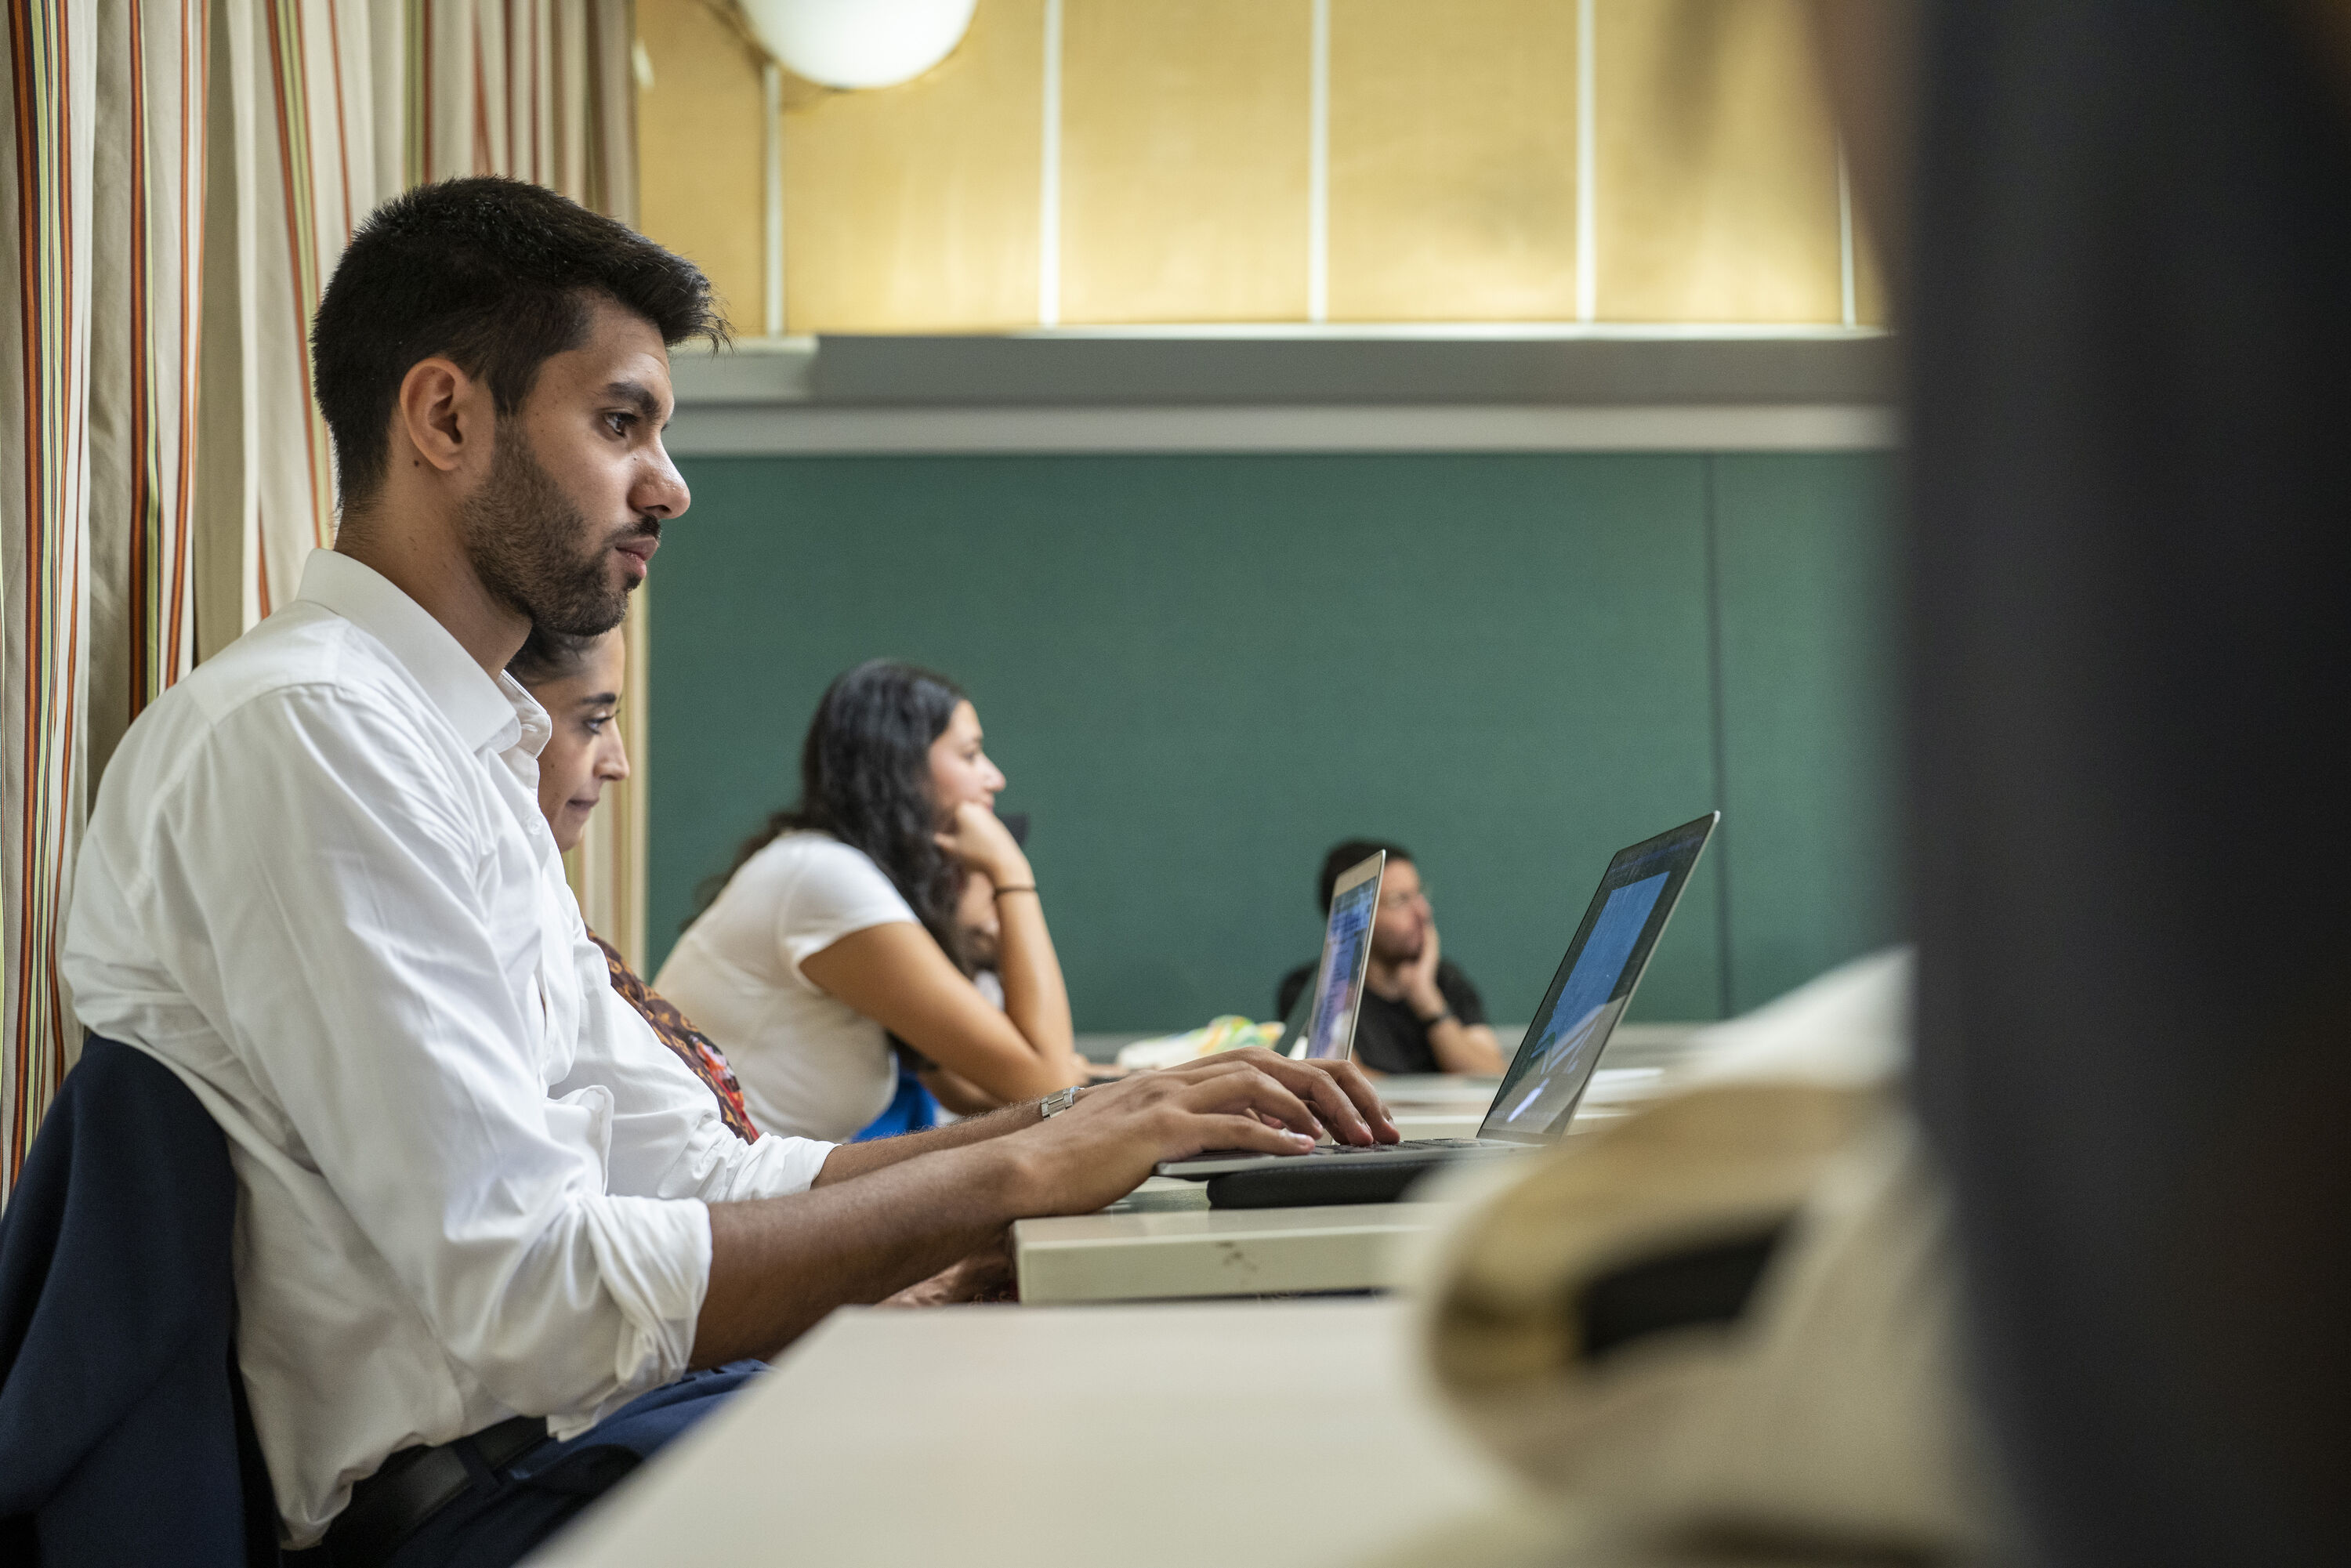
897, 976
1035, 996
954, 1091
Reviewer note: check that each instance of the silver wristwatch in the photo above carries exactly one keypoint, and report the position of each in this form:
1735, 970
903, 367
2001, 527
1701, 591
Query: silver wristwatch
1053, 1104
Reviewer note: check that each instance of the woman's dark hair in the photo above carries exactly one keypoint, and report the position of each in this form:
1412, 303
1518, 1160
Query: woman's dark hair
547, 656
866, 779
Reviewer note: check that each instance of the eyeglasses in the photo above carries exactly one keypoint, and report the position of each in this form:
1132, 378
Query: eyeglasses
1399, 900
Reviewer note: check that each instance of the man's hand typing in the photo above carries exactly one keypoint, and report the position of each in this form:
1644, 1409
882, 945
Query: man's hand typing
1102, 1149
875, 1225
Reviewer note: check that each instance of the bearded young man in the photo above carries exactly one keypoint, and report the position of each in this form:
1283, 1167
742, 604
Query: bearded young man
1420, 1013
493, 1235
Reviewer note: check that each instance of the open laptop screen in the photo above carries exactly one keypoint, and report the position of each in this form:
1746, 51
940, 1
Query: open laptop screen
1594, 985
1346, 954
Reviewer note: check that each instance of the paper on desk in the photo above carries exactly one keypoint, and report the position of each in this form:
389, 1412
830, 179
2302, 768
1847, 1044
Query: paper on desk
1230, 1032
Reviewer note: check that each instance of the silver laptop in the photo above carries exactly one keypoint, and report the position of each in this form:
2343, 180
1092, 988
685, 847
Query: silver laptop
1546, 1079
1323, 1016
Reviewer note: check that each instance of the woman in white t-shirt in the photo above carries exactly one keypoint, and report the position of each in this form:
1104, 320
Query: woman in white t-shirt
837, 929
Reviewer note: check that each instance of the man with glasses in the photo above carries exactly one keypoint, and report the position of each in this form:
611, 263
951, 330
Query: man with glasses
1420, 1012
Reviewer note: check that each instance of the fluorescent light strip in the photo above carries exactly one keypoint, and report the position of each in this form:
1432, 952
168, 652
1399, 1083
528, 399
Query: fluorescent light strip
771, 86
1318, 170
779, 430
1845, 236
1049, 189
1587, 166
1473, 331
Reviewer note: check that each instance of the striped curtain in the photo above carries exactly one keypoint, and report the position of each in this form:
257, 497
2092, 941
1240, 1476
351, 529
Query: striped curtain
46, 191
182, 175
150, 182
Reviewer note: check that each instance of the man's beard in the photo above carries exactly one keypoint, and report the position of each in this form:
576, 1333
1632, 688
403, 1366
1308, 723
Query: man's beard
521, 532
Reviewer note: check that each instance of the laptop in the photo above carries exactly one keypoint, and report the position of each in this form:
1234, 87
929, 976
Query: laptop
1539, 1094
1322, 1022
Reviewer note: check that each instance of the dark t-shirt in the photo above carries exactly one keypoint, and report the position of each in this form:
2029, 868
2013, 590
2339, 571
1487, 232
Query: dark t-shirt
1387, 1037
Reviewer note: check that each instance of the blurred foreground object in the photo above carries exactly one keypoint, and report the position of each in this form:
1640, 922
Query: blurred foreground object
1732, 1317
2129, 316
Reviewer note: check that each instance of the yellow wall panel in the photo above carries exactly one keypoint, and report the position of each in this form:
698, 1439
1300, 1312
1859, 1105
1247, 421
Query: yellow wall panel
1716, 189
914, 208
1184, 154
700, 139
1452, 160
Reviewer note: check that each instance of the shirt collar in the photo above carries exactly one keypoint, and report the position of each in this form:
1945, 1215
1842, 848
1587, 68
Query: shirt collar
476, 706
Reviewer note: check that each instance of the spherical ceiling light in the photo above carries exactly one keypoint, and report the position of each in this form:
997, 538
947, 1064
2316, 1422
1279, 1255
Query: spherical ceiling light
859, 43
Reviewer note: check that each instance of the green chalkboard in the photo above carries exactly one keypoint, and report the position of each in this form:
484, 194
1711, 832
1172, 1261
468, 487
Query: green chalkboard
1198, 672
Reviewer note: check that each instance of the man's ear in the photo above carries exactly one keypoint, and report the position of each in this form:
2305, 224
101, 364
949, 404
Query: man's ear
442, 414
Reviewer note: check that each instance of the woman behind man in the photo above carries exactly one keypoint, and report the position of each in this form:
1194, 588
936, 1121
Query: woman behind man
837, 929
577, 681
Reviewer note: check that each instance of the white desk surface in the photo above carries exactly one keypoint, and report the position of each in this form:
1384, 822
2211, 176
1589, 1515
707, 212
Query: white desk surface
1166, 1244
1194, 1436
1451, 1094
1414, 1123
1437, 1092
1163, 1242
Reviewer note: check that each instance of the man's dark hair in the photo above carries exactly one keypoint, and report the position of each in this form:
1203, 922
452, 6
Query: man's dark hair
1352, 853
495, 274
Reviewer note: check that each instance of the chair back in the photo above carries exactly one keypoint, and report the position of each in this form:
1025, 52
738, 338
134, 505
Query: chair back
123, 1432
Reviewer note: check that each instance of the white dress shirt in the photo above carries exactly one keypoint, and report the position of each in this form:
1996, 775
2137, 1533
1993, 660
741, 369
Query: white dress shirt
318, 886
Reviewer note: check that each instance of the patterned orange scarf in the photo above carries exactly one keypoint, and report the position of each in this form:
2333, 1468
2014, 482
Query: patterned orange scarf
693, 1046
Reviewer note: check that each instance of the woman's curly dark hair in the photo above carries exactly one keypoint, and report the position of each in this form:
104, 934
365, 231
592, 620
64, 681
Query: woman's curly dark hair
866, 779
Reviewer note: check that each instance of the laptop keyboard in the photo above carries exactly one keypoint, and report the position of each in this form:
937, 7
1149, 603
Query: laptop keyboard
1408, 1147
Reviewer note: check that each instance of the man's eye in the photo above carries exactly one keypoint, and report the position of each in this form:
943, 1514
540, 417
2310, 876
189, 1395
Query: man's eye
620, 422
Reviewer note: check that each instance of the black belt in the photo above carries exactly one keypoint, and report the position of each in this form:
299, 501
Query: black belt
414, 1485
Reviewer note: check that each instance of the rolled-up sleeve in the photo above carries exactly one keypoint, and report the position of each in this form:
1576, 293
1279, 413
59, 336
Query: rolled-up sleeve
668, 1138
653, 1256
365, 960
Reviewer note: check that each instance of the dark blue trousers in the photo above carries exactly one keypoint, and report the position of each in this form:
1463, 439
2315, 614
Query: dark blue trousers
510, 1511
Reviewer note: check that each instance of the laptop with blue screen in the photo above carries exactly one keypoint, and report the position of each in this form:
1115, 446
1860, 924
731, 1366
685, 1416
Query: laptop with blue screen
1546, 1079
1322, 1022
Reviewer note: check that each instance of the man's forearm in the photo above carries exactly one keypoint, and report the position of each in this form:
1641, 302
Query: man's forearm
862, 1159
779, 1265
1463, 1047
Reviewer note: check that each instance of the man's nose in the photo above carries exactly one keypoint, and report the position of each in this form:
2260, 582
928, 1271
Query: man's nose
661, 490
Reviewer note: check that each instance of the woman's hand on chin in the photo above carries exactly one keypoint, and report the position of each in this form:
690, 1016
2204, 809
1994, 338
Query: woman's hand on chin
979, 838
